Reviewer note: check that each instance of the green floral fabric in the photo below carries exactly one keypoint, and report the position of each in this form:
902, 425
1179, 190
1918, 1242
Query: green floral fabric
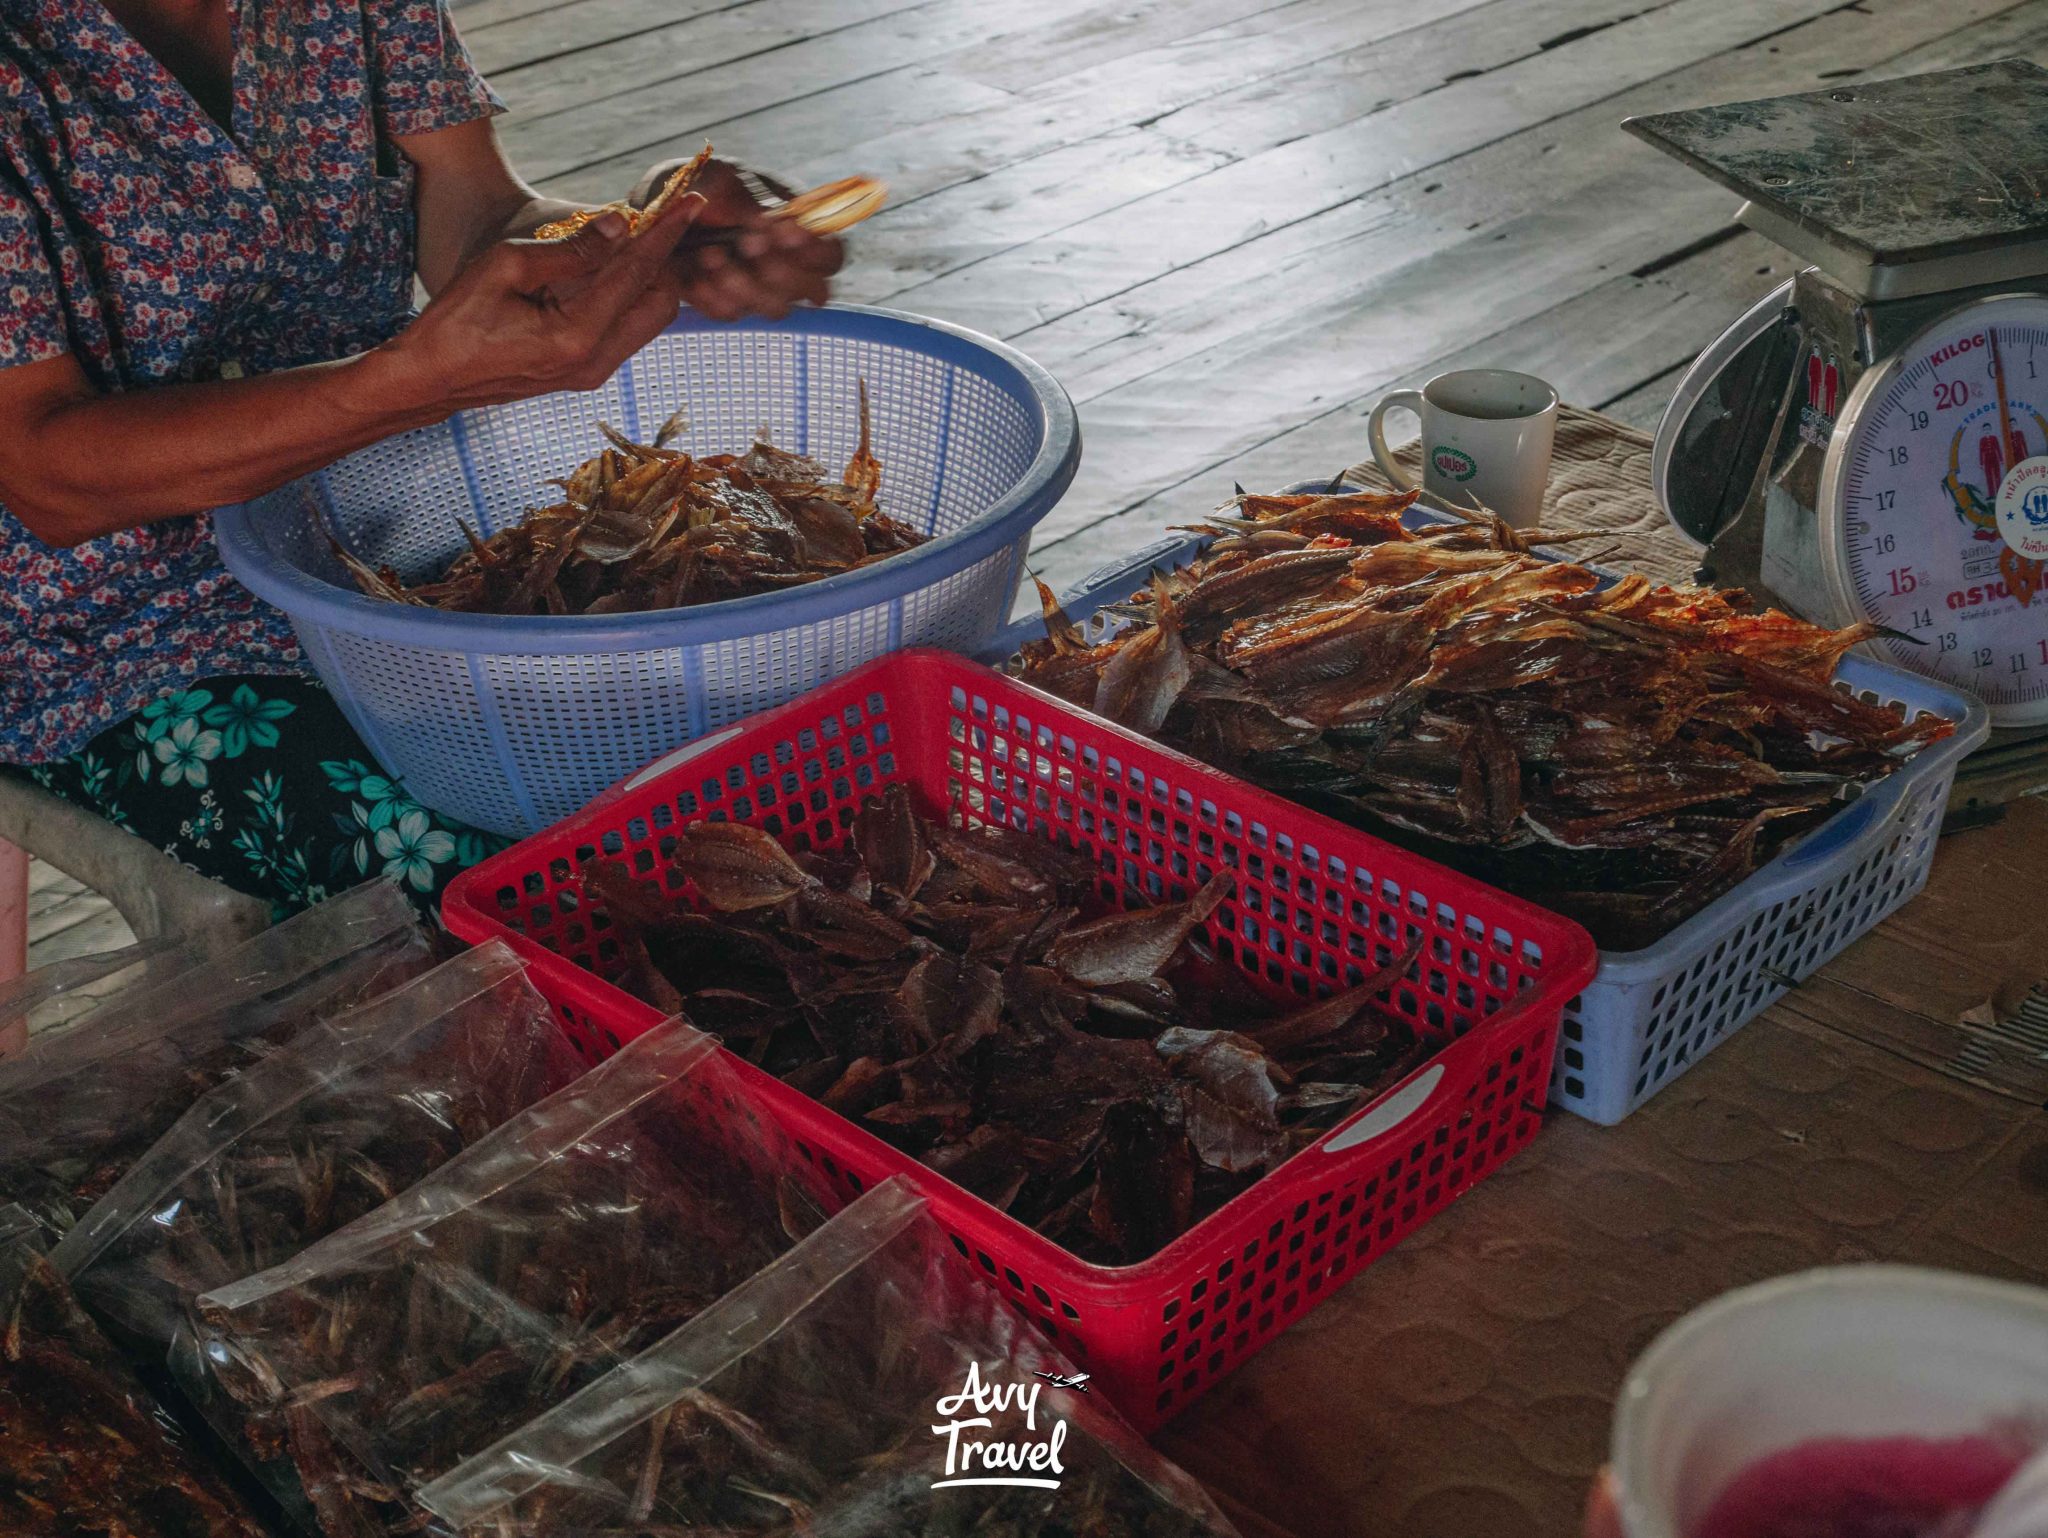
261, 784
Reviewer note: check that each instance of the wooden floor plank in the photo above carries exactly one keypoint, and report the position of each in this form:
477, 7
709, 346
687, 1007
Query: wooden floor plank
102, 929
53, 894
1510, 30
1327, 93
626, 97
2018, 32
598, 81
56, 918
1256, 289
1431, 279
795, 139
1104, 36
1016, 205
1284, 186
44, 878
545, 32
925, 138
1642, 406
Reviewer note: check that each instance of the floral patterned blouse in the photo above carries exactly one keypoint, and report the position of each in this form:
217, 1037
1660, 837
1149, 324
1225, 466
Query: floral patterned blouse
139, 237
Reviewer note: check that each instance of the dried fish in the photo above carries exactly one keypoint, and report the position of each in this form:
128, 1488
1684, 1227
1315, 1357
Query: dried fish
1623, 754
645, 526
83, 1448
1089, 1069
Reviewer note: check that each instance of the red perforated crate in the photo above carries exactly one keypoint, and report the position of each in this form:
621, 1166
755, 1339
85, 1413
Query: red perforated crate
1315, 905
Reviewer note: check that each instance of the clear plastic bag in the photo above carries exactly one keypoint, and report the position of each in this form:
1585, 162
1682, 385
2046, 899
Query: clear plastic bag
578, 1233
867, 1385
83, 1103
84, 1451
64, 992
330, 1126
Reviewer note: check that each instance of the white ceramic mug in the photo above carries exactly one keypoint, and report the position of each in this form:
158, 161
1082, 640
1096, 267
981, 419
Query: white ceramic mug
1486, 437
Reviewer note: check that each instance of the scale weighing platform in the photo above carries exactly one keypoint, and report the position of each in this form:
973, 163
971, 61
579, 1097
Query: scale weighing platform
1870, 441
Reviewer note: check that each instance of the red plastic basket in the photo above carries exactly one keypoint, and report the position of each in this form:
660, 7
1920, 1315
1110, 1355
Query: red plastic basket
1315, 905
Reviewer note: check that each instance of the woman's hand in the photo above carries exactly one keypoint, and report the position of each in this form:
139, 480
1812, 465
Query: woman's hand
527, 317
521, 319
768, 266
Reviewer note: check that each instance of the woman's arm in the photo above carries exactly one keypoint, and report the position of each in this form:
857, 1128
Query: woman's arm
468, 198
519, 320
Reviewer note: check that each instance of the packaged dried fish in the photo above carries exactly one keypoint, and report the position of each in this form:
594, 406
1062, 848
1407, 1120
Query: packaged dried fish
84, 1451
864, 1385
1623, 753
583, 1229
81, 1104
644, 526
977, 998
331, 1125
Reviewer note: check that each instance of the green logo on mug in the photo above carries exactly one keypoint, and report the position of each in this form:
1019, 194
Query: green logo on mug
1453, 464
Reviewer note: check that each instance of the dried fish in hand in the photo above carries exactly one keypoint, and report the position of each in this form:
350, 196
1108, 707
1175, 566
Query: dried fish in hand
643, 526
1623, 754
823, 210
83, 1449
968, 995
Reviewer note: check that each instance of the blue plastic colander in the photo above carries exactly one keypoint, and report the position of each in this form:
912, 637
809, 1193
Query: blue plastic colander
512, 723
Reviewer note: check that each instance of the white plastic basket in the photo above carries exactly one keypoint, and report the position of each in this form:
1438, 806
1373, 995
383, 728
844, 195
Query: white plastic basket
1650, 1014
512, 723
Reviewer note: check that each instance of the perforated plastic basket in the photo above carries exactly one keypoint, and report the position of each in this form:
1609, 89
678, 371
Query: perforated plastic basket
1315, 904
1652, 1013
510, 723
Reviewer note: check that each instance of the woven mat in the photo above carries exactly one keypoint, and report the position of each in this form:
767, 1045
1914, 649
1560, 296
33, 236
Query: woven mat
1599, 479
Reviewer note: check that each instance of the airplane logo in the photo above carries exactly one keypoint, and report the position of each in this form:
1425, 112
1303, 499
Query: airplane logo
1077, 1381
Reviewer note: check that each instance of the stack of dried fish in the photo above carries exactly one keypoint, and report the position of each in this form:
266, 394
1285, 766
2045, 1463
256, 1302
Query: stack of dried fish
578, 1233
82, 1104
84, 1452
1105, 1079
644, 526
1623, 754
821, 1399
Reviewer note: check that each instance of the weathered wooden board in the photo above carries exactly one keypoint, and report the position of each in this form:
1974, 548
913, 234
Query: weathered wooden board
1212, 381
927, 138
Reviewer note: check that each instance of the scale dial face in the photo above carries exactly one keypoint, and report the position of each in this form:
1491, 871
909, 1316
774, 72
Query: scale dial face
1911, 531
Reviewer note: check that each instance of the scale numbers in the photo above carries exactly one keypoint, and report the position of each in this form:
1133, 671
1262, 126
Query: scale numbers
1911, 537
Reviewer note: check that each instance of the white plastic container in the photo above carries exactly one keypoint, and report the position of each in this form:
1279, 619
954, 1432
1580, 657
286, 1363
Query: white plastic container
1847, 1351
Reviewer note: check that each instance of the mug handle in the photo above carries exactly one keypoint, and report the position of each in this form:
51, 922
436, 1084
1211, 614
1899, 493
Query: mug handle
1393, 400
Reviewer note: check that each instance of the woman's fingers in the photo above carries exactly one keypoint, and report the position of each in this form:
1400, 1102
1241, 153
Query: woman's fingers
727, 284
545, 270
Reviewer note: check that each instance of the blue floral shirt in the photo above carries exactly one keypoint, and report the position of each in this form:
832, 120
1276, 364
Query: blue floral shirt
139, 237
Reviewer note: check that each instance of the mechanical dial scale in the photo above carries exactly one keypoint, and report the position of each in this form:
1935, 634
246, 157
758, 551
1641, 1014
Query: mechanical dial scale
1870, 441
